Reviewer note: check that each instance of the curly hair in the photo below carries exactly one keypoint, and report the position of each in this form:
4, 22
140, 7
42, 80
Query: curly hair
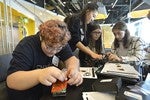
54, 32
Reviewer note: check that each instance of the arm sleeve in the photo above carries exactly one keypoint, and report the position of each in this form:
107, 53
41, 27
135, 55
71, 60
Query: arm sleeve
74, 28
65, 53
22, 58
137, 53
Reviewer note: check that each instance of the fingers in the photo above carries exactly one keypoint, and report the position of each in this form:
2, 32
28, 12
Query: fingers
113, 57
47, 83
110, 57
76, 79
96, 56
70, 73
100, 56
59, 75
50, 75
51, 79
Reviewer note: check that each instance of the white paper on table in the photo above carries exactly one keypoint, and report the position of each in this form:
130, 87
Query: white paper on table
128, 70
133, 95
88, 72
97, 96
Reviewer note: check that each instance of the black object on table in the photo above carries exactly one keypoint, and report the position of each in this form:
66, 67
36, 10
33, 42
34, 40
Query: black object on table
73, 92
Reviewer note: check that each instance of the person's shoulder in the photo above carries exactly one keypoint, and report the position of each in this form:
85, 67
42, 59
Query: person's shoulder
29, 39
137, 39
74, 18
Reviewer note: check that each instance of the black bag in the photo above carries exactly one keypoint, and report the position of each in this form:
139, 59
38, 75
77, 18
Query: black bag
112, 85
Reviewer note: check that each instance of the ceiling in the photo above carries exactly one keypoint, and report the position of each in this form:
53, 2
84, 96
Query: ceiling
116, 9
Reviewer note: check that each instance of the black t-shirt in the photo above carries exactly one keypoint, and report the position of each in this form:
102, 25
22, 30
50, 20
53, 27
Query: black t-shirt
27, 56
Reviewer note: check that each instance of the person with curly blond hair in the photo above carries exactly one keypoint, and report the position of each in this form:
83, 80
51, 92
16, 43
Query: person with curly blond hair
32, 70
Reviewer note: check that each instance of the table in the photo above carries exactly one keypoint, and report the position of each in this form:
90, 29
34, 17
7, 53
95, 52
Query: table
75, 93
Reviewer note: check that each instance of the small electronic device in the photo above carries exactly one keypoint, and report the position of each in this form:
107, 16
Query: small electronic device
59, 88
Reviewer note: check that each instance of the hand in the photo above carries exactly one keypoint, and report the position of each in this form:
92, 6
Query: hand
49, 75
113, 57
75, 77
96, 56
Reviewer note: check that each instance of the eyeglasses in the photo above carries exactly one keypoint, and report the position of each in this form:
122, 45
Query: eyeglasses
52, 49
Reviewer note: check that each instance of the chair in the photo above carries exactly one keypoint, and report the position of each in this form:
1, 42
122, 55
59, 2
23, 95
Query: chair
4, 65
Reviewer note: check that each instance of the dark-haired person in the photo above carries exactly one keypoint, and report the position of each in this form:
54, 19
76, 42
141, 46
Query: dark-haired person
32, 70
94, 43
77, 25
125, 47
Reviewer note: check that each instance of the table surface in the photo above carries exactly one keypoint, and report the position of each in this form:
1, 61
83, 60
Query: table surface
75, 93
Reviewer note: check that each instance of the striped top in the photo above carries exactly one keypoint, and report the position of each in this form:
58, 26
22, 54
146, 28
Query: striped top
133, 53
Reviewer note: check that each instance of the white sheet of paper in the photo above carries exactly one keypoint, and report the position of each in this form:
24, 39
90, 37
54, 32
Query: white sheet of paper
133, 95
87, 72
97, 96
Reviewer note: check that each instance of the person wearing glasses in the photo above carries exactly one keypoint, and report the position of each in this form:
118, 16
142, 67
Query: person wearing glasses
77, 25
125, 47
32, 70
94, 43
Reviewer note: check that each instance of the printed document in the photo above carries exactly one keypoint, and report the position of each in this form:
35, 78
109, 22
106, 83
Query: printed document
88, 72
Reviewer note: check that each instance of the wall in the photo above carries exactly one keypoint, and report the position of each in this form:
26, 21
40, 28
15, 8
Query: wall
108, 36
11, 28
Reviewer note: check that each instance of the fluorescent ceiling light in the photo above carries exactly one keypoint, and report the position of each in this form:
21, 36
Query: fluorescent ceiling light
139, 13
102, 11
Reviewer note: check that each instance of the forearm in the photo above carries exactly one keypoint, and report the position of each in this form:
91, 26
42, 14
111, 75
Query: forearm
84, 48
137, 55
132, 58
73, 73
72, 62
23, 80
